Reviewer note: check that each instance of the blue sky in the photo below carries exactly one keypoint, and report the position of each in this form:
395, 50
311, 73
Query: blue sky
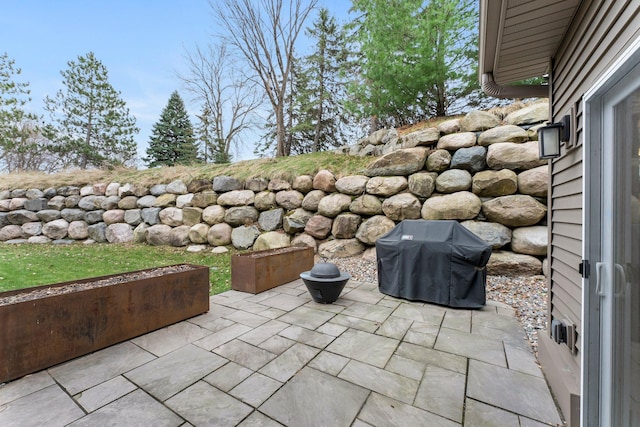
141, 42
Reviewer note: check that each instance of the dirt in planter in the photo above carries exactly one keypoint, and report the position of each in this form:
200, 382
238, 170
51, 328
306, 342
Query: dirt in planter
262, 254
29, 295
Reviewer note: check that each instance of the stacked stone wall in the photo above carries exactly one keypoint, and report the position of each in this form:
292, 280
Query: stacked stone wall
482, 170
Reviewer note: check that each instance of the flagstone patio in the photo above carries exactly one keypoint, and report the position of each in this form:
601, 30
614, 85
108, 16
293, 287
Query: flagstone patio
278, 358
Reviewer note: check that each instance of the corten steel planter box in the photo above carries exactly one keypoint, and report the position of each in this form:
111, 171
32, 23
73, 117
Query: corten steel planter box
52, 328
258, 271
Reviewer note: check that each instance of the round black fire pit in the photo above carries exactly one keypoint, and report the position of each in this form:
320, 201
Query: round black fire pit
325, 282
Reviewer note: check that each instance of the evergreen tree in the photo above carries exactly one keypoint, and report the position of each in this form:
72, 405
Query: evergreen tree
90, 121
172, 141
315, 116
417, 60
16, 126
321, 86
215, 147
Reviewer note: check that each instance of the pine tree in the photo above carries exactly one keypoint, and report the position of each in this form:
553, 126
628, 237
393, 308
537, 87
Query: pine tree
321, 87
315, 116
417, 59
17, 127
90, 121
172, 141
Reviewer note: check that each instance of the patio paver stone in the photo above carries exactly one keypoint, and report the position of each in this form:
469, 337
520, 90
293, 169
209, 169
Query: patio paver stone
278, 358
511, 390
170, 374
314, 398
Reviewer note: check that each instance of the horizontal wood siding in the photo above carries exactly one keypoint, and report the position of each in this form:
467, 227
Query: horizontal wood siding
566, 241
599, 32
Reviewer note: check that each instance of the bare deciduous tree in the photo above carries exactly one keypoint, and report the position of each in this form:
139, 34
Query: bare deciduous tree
264, 32
228, 99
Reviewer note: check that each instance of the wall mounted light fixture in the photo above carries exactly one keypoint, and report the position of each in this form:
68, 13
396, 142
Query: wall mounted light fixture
550, 137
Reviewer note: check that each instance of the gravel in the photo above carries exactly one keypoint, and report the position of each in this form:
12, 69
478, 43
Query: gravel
526, 295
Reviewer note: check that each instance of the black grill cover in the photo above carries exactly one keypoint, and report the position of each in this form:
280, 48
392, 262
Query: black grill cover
433, 261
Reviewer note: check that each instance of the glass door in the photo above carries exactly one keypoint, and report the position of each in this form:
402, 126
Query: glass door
618, 270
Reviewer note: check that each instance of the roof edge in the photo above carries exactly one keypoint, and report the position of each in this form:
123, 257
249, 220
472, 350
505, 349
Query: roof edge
491, 88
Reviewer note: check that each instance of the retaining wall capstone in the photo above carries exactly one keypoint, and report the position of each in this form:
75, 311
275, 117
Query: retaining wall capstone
481, 170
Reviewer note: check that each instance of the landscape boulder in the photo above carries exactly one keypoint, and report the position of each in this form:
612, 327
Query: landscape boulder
530, 240
449, 126
461, 205
296, 221
241, 215
242, 237
333, 204
473, 159
438, 161
236, 198
179, 236
289, 199
454, 141
517, 210
366, 205
386, 186
422, 137
507, 133
453, 180
371, 229
534, 182
159, 235
497, 235
223, 183
271, 240
340, 248
198, 233
510, 155
219, 234
352, 185
171, 216
119, 233
213, 214
422, 184
490, 183
402, 206
278, 184
535, 113
318, 226
345, 225
505, 263
324, 180
312, 199
399, 162
98, 232
271, 220
475, 121
265, 200
303, 183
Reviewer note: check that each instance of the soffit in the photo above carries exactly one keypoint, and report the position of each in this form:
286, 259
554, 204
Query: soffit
519, 37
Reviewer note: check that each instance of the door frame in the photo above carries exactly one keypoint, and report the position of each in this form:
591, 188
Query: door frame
593, 173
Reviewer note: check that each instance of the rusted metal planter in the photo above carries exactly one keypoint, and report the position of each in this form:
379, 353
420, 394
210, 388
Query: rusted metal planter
255, 272
38, 333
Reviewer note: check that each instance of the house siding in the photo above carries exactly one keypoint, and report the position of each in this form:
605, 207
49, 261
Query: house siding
600, 31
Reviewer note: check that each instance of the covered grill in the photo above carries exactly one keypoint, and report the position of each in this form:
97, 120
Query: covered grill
439, 262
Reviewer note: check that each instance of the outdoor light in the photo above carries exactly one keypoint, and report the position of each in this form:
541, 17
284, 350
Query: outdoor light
550, 137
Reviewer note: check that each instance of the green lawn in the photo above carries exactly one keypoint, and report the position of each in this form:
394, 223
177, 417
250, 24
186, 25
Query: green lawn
27, 265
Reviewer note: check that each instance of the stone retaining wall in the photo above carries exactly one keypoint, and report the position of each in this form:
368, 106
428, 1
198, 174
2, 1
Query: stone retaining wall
479, 170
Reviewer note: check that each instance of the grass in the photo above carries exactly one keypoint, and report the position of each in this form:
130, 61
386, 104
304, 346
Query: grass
281, 167
23, 266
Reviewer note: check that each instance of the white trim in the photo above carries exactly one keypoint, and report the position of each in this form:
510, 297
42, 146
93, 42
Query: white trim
583, 306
